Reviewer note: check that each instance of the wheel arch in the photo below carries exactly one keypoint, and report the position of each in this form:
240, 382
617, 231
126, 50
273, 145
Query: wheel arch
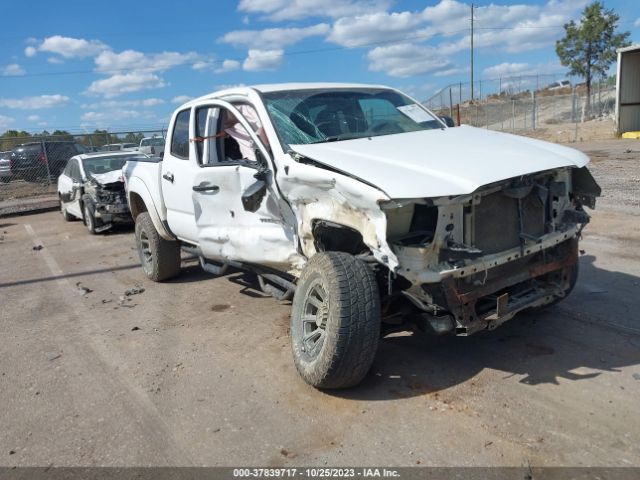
329, 236
140, 200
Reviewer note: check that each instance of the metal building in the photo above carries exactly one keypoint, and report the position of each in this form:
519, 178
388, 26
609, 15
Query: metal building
628, 90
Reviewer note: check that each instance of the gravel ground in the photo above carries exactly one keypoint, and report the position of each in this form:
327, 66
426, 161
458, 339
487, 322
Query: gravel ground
198, 371
615, 164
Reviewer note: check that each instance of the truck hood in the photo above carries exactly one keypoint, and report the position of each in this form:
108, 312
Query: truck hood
108, 177
443, 162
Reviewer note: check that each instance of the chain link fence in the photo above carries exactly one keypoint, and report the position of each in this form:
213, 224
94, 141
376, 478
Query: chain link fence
30, 165
511, 105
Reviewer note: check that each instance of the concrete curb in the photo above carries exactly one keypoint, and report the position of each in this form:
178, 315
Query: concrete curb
29, 209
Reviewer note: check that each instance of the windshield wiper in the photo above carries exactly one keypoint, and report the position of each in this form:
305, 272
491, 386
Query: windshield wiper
337, 138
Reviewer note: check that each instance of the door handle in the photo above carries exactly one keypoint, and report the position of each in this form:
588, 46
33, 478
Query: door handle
168, 176
206, 188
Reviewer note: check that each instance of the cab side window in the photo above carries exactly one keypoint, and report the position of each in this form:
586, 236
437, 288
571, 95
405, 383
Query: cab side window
180, 136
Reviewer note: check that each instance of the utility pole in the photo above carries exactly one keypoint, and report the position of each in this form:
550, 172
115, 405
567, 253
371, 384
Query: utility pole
472, 52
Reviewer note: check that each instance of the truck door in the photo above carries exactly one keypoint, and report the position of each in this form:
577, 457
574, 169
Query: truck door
238, 210
178, 172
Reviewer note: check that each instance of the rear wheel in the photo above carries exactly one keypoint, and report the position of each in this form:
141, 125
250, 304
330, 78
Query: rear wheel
160, 258
335, 321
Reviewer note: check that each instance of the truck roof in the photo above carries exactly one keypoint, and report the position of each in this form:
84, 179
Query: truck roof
277, 87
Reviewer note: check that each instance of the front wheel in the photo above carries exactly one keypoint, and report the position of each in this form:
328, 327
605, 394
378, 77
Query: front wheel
335, 320
89, 218
160, 258
65, 214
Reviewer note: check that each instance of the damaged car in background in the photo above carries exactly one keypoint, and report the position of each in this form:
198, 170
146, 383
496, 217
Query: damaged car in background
91, 188
366, 210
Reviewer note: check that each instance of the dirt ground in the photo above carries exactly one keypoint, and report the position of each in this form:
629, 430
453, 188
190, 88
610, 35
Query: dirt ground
198, 371
571, 133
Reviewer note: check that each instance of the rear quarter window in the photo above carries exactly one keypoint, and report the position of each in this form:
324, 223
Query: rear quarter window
180, 135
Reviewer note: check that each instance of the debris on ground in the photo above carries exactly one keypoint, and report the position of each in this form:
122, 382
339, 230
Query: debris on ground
636, 376
287, 453
134, 291
37, 248
83, 290
51, 356
123, 302
135, 328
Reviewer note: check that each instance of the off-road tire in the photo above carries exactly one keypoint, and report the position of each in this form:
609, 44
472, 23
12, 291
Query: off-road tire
160, 258
350, 313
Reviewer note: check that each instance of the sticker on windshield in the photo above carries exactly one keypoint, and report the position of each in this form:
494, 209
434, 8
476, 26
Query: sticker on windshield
415, 113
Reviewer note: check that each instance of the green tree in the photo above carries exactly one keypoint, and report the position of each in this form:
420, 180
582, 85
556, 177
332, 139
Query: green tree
12, 138
133, 138
589, 47
62, 135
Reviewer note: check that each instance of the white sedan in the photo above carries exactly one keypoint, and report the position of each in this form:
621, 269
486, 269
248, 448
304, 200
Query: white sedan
91, 188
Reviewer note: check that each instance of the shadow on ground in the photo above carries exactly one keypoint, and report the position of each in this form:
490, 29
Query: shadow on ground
590, 331
587, 331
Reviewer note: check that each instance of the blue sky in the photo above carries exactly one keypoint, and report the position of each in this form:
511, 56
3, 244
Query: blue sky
79, 65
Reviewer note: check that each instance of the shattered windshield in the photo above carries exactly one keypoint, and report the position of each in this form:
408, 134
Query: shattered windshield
94, 166
316, 116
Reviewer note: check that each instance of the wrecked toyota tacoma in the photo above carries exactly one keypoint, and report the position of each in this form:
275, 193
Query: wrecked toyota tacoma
366, 210
91, 188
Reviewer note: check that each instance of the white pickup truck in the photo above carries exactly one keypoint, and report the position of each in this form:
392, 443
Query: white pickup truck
364, 208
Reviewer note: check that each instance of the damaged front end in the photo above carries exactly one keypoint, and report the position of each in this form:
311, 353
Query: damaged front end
107, 196
471, 262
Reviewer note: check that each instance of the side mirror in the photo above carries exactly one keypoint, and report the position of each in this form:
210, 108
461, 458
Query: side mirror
252, 197
448, 121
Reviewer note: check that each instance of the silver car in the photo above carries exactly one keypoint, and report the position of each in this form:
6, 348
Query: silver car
5, 167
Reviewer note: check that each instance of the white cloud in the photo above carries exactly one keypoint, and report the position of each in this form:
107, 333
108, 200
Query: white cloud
104, 116
34, 103
181, 99
5, 121
512, 28
374, 27
202, 65
12, 70
132, 60
30, 51
505, 69
121, 104
406, 59
55, 60
258, 60
68, 47
152, 102
228, 66
124, 83
273, 38
33, 118
278, 10
228, 86
452, 71
637, 22
516, 28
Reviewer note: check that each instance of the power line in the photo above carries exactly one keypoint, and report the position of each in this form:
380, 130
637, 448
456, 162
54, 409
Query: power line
285, 54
